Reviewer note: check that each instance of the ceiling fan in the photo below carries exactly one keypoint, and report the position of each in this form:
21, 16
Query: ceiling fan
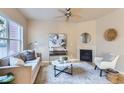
67, 13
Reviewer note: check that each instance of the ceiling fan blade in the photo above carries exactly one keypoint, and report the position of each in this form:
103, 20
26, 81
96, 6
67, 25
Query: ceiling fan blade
59, 16
62, 11
76, 16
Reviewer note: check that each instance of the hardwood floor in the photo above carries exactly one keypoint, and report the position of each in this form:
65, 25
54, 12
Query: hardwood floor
41, 77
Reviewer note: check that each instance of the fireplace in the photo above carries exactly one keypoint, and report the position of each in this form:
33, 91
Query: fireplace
86, 55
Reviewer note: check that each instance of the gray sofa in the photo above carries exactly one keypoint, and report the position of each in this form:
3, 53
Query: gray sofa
23, 74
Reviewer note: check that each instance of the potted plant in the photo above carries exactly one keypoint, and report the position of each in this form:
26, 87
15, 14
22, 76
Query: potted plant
65, 58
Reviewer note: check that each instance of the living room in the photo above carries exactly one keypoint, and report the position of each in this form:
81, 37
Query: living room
38, 23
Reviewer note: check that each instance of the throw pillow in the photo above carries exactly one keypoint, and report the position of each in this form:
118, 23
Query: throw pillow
36, 54
30, 55
20, 62
23, 57
16, 62
18, 56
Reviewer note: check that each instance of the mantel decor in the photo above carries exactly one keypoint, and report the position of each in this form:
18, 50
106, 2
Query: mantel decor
85, 37
110, 34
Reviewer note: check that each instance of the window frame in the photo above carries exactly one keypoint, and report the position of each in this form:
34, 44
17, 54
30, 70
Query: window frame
8, 39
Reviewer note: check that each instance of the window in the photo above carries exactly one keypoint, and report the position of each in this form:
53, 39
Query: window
15, 38
3, 48
11, 40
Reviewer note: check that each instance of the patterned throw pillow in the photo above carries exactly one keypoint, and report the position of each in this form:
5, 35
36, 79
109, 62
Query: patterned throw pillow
20, 56
30, 55
23, 57
17, 56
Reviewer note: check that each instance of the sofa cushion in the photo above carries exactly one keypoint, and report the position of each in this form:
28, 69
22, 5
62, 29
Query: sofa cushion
35, 60
32, 63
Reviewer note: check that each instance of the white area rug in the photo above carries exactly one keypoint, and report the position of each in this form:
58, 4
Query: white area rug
83, 73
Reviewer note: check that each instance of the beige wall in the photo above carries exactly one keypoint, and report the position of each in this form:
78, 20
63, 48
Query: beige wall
16, 16
38, 31
113, 20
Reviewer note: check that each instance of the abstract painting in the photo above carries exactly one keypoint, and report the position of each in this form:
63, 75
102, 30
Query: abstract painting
57, 40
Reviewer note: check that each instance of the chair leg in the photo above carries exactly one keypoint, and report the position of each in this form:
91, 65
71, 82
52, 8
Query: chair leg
95, 67
100, 72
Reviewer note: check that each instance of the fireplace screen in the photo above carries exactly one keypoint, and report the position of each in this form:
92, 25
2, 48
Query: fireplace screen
86, 55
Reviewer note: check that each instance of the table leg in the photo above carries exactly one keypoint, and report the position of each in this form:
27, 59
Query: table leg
64, 71
54, 70
71, 69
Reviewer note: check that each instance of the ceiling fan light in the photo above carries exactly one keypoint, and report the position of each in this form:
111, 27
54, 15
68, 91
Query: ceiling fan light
69, 15
68, 12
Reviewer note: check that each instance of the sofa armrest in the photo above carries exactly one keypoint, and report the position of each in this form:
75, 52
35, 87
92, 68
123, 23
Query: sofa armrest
39, 55
8, 67
23, 74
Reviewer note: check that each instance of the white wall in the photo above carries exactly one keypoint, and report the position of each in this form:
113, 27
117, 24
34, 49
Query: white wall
113, 20
89, 27
38, 31
16, 16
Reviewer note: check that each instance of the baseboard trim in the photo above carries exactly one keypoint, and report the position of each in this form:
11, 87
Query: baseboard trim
44, 61
121, 72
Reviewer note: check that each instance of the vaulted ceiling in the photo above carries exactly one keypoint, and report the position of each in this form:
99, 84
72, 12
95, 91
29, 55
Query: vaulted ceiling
50, 14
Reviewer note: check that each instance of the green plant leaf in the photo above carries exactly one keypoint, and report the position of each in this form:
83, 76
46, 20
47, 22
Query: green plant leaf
1, 22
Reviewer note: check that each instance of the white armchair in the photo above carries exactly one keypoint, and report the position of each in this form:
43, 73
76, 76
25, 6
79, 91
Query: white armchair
106, 62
